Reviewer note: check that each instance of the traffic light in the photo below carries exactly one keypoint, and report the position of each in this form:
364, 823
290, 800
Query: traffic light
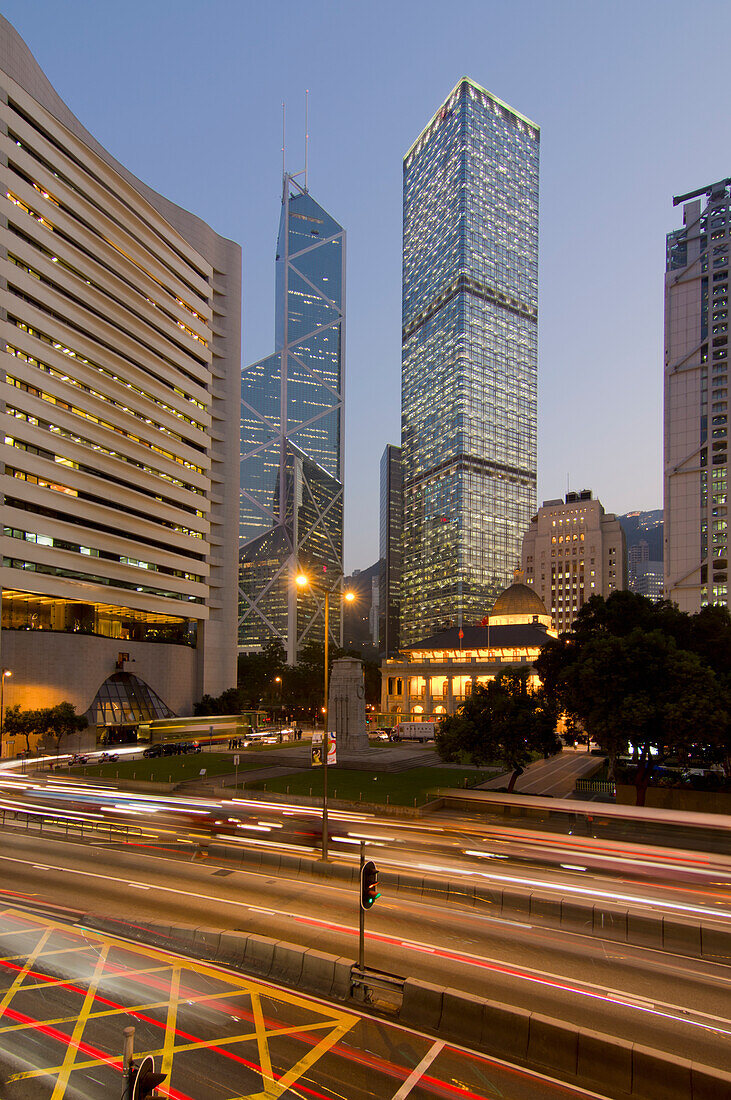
368, 885
143, 1080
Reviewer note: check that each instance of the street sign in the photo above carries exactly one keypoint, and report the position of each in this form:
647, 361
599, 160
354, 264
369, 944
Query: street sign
236, 761
316, 751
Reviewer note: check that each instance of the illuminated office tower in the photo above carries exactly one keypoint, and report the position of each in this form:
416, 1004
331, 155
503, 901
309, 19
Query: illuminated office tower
119, 384
696, 401
391, 536
291, 501
469, 358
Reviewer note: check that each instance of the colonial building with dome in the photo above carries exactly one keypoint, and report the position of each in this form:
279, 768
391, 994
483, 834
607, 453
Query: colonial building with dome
433, 678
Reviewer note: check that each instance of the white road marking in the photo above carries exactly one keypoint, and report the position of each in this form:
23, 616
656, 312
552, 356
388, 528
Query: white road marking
416, 1074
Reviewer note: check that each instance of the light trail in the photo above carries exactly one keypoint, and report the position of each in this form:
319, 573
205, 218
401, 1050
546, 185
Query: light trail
546, 979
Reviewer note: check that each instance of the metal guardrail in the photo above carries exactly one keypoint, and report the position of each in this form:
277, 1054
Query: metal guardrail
69, 826
596, 786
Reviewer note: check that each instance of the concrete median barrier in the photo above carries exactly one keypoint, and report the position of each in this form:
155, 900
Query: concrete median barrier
659, 1077
553, 1044
577, 916
644, 929
713, 1086
207, 941
462, 1018
341, 987
610, 923
422, 1004
259, 955
461, 892
505, 1031
232, 948
317, 972
516, 903
716, 943
489, 899
681, 937
610, 1064
545, 907
287, 963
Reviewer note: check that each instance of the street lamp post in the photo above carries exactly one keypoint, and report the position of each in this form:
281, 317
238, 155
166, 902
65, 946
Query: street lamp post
278, 682
5, 672
305, 582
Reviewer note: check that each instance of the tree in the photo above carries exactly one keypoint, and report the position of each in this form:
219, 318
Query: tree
22, 723
61, 721
228, 702
625, 674
372, 682
503, 721
257, 673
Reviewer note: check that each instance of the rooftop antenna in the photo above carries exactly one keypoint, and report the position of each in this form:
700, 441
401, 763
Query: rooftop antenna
284, 170
307, 135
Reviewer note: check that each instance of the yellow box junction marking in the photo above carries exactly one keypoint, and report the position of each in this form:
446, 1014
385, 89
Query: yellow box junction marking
172, 970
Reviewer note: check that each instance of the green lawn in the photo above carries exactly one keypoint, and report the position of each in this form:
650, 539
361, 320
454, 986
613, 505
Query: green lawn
397, 788
164, 769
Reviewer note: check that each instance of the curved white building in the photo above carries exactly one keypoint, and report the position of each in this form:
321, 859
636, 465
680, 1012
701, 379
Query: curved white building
120, 339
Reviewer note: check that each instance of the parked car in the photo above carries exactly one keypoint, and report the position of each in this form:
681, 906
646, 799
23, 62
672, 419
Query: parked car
154, 750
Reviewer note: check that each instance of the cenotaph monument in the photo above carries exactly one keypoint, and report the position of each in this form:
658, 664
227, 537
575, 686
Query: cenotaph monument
346, 706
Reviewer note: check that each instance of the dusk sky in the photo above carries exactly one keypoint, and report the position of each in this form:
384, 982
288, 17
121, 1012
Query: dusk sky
633, 103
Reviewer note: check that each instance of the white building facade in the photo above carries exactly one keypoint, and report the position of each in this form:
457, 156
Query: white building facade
120, 317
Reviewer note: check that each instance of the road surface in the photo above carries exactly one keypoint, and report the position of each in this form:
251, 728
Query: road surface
66, 995
674, 1002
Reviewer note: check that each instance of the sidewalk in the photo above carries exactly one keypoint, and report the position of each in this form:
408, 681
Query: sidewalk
556, 776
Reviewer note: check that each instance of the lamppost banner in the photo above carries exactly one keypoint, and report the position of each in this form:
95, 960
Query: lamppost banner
318, 750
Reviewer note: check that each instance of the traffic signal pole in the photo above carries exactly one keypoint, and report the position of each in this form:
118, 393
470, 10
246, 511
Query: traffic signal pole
361, 914
369, 895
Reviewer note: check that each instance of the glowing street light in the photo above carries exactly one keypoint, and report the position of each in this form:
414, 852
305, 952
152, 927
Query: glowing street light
303, 581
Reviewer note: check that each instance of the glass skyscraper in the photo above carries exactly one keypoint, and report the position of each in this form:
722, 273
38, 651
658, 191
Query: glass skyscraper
291, 500
469, 358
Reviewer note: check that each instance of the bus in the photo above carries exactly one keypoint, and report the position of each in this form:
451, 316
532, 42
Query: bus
205, 728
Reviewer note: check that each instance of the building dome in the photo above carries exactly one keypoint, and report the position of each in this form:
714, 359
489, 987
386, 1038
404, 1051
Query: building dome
518, 599
519, 604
